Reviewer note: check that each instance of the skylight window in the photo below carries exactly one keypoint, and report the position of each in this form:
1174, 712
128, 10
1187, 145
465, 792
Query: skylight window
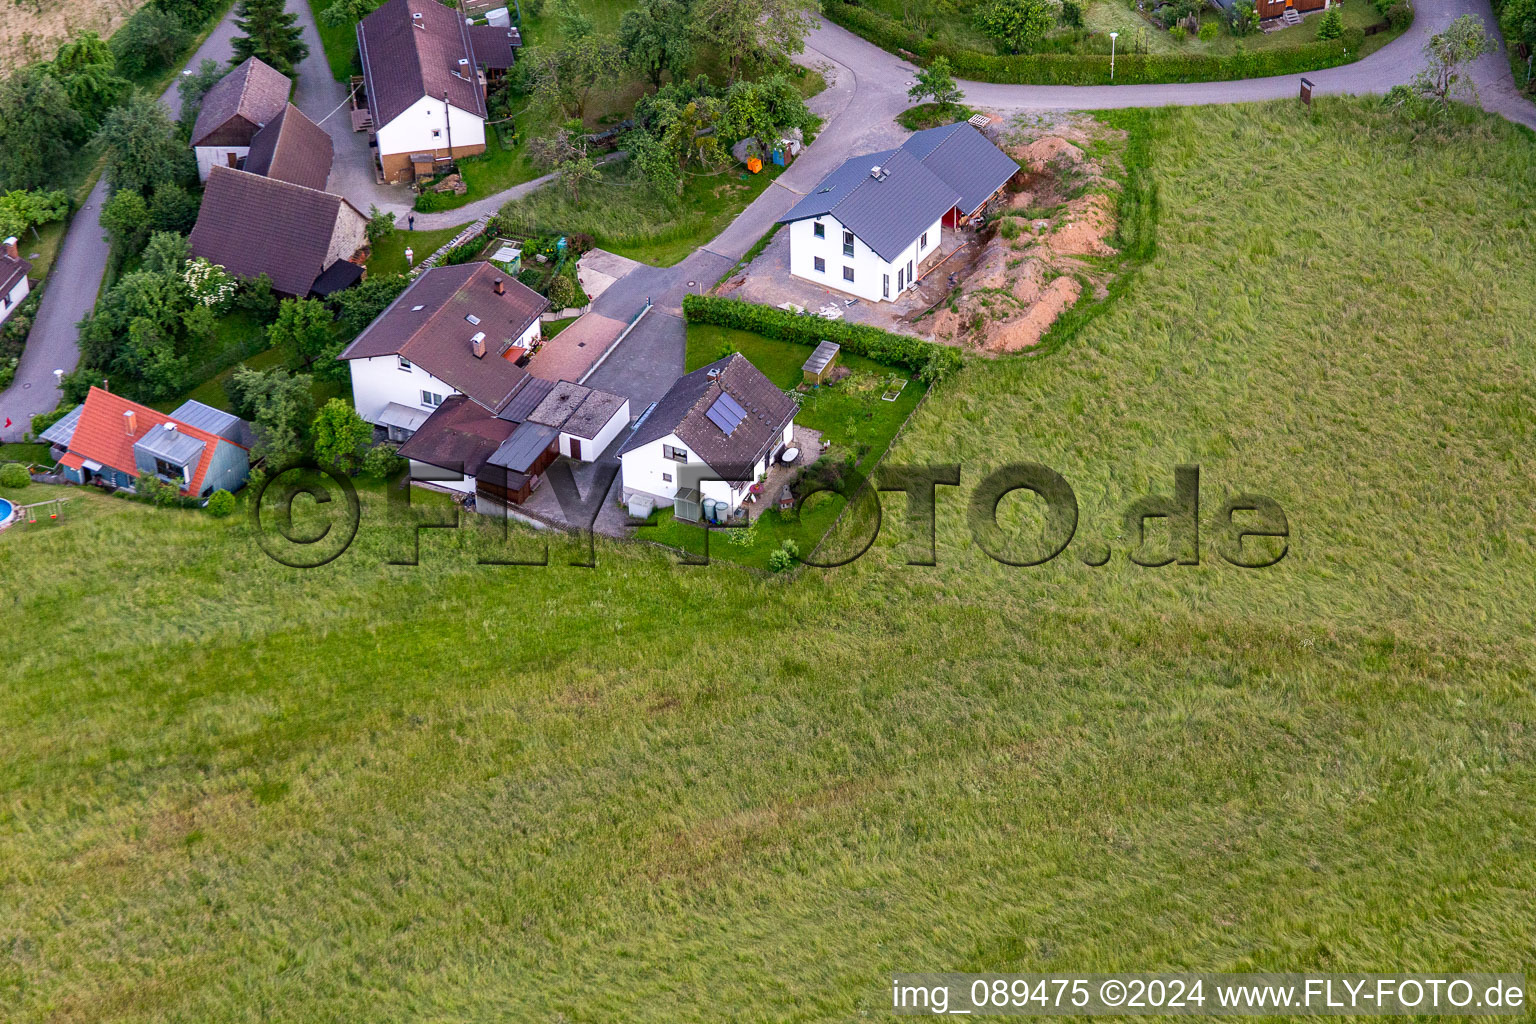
417, 309
473, 319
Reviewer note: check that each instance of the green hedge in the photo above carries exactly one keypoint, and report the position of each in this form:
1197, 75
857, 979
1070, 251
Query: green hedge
928, 362
1093, 69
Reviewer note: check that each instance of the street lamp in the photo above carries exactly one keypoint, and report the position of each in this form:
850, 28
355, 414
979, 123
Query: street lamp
1112, 37
58, 379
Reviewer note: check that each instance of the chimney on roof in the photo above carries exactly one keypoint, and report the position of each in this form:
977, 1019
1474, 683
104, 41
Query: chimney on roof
877, 172
130, 422
501, 289
170, 426
477, 344
10, 248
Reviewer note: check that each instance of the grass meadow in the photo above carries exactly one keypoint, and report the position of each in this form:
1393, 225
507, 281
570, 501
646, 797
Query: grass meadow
233, 791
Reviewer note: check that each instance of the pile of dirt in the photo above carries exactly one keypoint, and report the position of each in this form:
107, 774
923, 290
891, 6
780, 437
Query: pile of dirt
1036, 255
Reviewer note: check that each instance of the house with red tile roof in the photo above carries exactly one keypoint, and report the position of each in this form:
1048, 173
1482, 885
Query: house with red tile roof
110, 441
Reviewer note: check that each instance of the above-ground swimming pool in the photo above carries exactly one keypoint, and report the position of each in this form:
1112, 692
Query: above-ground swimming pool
5, 513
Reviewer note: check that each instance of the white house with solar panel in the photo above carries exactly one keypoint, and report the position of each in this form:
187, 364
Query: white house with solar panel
714, 433
869, 225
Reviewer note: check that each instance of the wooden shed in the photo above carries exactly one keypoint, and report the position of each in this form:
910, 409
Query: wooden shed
821, 362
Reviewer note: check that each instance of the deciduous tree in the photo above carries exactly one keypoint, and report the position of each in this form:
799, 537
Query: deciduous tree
142, 146
341, 436
1448, 56
21, 209
281, 406
192, 88
304, 328
39, 128
87, 70
936, 80
1019, 25
755, 32
656, 38
149, 41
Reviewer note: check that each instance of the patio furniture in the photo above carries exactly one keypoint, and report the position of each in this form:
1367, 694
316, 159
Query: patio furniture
789, 455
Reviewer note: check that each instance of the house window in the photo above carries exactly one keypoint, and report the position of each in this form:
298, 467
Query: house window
437, 133
847, 243
885, 286
675, 454
666, 477
922, 243
405, 364
910, 276
431, 400
819, 229
169, 470
901, 279
821, 267
847, 273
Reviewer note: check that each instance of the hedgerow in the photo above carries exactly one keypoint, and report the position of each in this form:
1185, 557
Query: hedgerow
929, 362
1091, 68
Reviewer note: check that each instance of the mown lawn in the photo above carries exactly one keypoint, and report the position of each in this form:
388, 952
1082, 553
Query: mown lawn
234, 791
388, 253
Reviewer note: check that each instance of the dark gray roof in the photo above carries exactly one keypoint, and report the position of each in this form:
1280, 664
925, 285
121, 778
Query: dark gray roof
934, 170
563, 399
824, 354
254, 93
171, 445
527, 399
595, 413
214, 421
62, 431
527, 443
684, 411
966, 161
412, 48
886, 213
459, 435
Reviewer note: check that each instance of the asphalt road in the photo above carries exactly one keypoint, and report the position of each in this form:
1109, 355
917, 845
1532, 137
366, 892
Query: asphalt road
867, 87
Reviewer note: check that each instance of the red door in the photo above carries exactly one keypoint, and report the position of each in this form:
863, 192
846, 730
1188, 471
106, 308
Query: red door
575, 447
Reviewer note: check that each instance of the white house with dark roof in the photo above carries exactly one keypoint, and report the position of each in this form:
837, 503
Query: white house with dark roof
868, 226
424, 89
459, 330
714, 433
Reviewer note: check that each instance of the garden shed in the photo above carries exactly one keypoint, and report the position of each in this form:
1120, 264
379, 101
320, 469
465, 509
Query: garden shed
820, 364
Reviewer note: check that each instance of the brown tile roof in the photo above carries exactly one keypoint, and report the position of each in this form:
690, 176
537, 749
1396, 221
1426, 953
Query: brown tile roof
684, 411
292, 148
101, 435
411, 49
430, 325
459, 435
254, 92
495, 47
253, 225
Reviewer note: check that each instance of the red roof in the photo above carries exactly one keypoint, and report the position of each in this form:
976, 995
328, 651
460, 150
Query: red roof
102, 436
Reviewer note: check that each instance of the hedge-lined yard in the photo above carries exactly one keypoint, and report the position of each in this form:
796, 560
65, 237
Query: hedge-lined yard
1093, 69
930, 362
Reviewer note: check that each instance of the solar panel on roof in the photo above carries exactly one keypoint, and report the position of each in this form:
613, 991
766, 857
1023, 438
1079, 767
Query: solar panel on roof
726, 413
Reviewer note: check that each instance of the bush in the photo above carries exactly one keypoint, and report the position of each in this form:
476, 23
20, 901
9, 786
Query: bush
1331, 25
929, 362
149, 42
220, 504
14, 475
562, 292
1093, 69
1399, 16
427, 202
1177, 33
463, 253
1071, 13
1208, 31
381, 462
780, 560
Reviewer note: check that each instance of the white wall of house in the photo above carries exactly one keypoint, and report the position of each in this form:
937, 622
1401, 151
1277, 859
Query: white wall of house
429, 473
646, 470
874, 279
592, 447
209, 157
380, 380
411, 131
10, 301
